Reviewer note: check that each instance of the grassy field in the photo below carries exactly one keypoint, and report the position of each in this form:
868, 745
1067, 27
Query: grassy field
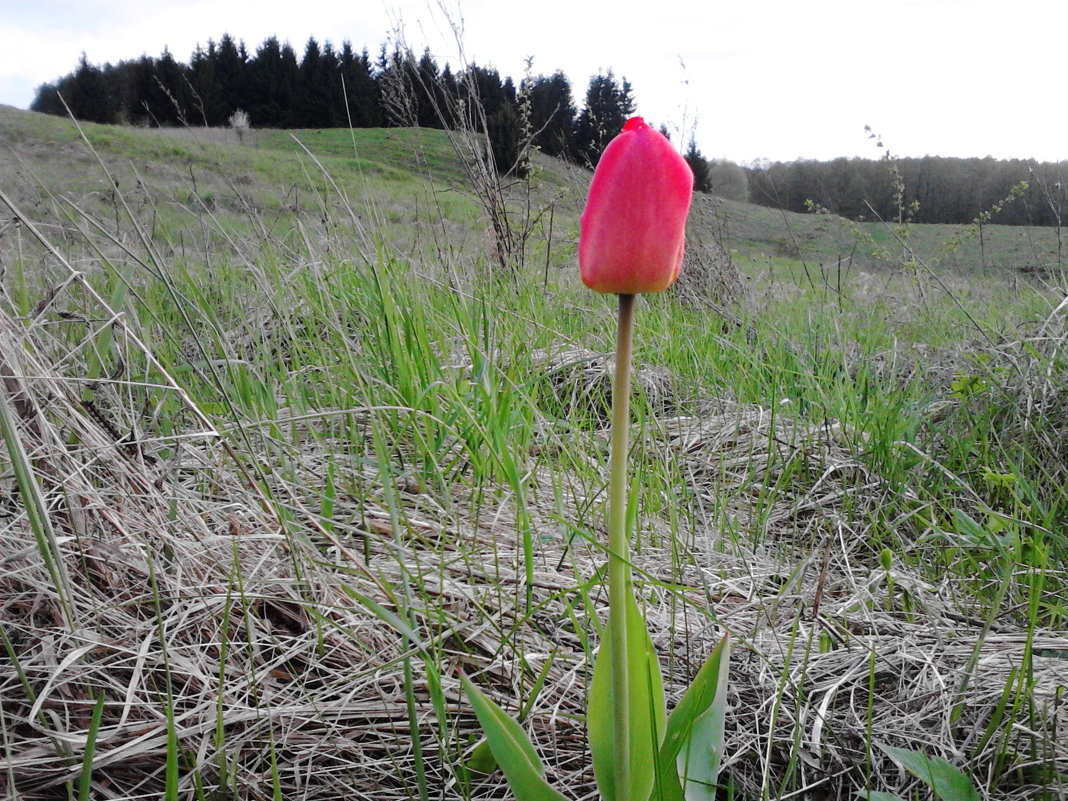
294, 435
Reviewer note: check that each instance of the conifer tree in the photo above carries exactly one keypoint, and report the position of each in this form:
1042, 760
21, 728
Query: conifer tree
699, 166
88, 95
491, 107
552, 114
450, 92
394, 80
166, 90
207, 94
47, 101
361, 91
141, 95
317, 95
429, 93
231, 70
271, 86
505, 134
608, 106
482, 87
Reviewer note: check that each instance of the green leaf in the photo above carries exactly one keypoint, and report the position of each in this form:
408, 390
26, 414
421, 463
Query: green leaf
481, 759
511, 748
875, 795
946, 780
693, 744
646, 704
967, 526
539, 683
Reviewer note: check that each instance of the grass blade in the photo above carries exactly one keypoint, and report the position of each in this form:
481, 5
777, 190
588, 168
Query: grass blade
85, 781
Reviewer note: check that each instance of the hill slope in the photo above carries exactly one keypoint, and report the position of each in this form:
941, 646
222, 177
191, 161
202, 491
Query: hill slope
396, 166
290, 443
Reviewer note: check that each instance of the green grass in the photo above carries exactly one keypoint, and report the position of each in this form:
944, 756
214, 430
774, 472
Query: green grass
355, 460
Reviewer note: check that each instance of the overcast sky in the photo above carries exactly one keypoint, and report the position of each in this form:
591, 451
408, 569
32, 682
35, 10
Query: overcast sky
776, 79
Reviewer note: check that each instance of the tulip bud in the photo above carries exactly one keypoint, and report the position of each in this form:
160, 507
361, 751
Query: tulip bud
632, 232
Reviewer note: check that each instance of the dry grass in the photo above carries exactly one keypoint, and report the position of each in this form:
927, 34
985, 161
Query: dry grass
258, 647
270, 636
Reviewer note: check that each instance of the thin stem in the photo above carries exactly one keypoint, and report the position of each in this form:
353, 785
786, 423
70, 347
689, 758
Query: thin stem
619, 575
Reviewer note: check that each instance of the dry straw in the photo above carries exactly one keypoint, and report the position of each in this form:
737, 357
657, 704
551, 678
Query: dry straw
167, 580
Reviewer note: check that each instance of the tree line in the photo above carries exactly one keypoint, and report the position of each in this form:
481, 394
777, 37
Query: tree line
328, 88
931, 189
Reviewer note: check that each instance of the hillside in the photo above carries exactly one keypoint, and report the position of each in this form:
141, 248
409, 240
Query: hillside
300, 428
269, 168
271, 165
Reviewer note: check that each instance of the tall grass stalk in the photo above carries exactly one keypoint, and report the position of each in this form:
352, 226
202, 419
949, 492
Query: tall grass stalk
37, 511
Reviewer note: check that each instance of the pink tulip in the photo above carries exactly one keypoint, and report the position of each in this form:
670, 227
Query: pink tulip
633, 229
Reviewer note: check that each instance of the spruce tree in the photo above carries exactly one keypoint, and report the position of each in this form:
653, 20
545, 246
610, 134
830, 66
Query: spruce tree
316, 81
609, 104
169, 90
429, 94
450, 92
482, 88
231, 70
361, 91
88, 95
207, 94
47, 101
272, 86
699, 165
552, 114
142, 96
394, 80
505, 135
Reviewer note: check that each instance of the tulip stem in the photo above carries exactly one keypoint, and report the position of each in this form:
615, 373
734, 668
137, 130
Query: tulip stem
620, 587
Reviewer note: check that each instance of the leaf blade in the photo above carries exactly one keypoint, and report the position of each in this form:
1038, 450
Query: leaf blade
692, 751
945, 779
647, 716
511, 748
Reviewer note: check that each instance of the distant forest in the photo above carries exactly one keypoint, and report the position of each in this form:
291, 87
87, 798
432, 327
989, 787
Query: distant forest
330, 88
932, 189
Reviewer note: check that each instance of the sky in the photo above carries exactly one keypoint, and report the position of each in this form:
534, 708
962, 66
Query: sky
747, 79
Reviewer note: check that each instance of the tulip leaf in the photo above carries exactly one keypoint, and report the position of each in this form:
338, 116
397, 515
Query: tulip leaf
511, 748
946, 780
646, 704
693, 743
481, 759
876, 795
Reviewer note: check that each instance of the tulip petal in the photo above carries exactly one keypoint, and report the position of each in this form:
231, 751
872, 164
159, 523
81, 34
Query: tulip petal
634, 225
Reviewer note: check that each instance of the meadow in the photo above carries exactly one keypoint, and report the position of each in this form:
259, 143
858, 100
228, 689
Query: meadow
301, 426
